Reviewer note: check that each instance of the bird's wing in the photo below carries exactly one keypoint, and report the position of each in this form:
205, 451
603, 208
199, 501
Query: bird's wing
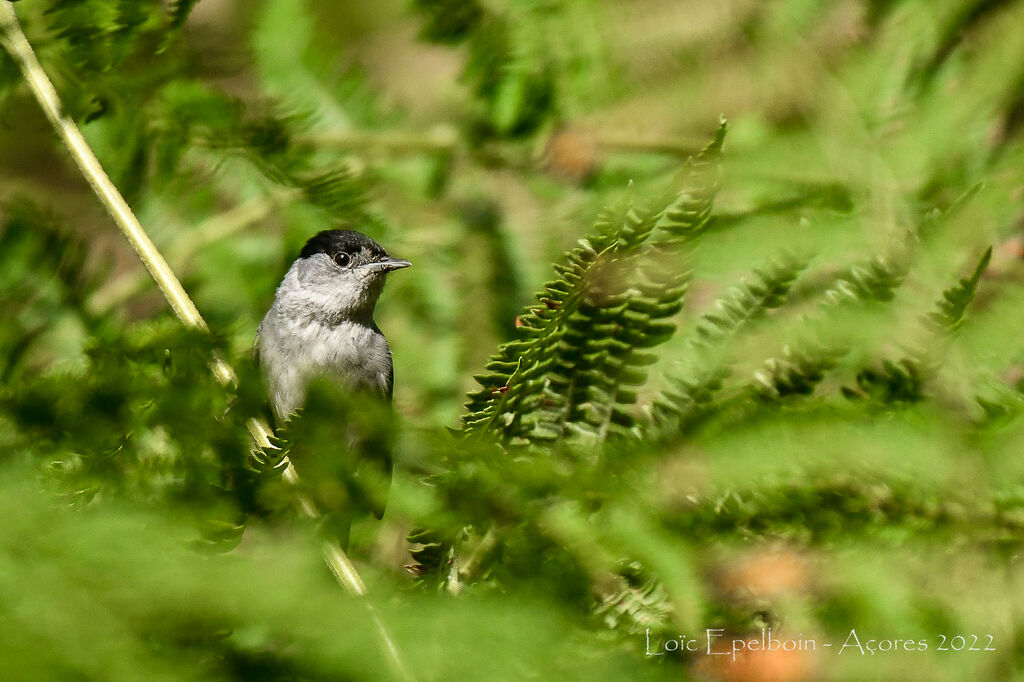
389, 382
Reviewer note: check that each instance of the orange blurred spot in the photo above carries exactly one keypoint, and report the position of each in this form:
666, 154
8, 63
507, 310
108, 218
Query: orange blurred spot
756, 665
571, 154
766, 574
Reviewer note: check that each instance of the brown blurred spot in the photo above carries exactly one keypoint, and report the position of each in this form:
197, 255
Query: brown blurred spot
766, 575
1006, 258
571, 155
754, 664
1013, 247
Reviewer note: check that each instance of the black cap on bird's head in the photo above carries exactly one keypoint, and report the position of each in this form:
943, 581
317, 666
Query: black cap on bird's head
351, 249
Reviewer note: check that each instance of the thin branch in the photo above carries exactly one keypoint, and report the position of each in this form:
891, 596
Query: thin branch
13, 40
440, 140
444, 140
670, 146
210, 231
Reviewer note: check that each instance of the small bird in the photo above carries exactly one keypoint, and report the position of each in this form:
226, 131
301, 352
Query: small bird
321, 323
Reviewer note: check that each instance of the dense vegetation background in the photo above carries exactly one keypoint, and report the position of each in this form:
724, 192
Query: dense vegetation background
777, 385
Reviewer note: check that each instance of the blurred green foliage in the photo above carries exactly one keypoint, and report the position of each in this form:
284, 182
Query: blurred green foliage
774, 384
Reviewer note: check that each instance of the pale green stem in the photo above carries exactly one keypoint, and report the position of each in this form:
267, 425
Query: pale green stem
442, 140
613, 142
16, 44
123, 288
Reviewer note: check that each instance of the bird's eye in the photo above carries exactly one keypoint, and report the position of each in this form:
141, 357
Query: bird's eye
342, 258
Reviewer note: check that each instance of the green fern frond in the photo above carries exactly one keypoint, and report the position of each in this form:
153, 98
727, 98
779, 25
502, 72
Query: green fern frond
903, 381
196, 116
691, 398
97, 35
432, 556
515, 64
642, 604
999, 402
574, 369
894, 382
949, 315
42, 270
179, 11
273, 460
597, 363
511, 388
693, 392
796, 372
690, 214
338, 191
748, 301
876, 280
297, 69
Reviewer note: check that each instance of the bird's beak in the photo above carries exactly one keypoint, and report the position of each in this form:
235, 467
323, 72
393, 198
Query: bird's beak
389, 265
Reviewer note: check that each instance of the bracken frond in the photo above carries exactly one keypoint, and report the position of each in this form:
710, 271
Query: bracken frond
582, 350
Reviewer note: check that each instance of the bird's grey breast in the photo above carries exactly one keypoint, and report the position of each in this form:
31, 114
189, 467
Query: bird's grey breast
293, 352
